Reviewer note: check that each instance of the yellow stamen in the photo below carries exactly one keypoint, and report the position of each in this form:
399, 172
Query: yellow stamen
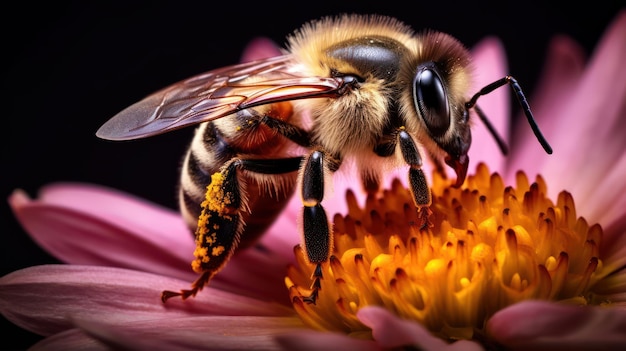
490, 246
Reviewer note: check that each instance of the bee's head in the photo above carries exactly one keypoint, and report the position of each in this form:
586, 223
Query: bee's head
435, 101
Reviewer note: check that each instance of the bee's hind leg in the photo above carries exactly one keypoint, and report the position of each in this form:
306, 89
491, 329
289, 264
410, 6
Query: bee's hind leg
220, 224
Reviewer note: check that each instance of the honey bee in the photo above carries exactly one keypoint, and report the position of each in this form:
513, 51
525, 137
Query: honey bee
360, 87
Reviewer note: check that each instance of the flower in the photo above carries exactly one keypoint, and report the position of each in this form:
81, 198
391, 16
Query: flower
122, 251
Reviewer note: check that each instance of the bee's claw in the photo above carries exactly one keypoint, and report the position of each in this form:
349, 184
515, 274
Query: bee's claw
316, 286
200, 283
311, 299
424, 216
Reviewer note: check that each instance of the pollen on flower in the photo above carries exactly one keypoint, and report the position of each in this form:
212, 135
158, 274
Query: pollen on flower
490, 246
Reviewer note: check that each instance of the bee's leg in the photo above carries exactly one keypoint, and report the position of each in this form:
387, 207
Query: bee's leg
289, 131
317, 232
220, 225
219, 228
417, 179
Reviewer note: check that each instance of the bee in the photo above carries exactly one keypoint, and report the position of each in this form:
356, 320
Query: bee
360, 87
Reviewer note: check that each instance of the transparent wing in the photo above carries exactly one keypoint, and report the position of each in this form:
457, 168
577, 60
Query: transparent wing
216, 94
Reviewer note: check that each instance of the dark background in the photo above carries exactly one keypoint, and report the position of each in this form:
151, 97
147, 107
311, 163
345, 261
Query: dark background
68, 67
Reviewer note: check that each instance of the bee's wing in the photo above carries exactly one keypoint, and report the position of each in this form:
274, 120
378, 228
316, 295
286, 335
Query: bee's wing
216, 94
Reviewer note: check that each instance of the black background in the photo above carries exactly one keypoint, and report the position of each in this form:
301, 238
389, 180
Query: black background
70, 66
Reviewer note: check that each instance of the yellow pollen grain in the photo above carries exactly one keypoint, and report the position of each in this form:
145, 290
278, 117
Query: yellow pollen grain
490, 245
203, 219
200, 252
210, 239
218, 250
202, 257
216, 200
196, 266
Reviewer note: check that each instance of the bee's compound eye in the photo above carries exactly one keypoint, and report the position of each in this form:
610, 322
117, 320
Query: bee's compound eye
431, 100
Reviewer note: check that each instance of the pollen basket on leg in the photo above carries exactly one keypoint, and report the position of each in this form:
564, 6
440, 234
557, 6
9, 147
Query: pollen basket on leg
490, 245
218, 224
218, 229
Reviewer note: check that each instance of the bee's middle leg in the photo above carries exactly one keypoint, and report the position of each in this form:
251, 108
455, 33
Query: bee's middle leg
317, 232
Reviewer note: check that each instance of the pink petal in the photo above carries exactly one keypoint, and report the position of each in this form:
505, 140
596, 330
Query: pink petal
73, 339
607, 197
260, 48
256, 273
102, 236
612, 288
601, 125
614, 241
322, 341
285, 233
392, 332
544, 326
560, 77
613, 251
587, 128
45, 299
490, 65
84, 224
115, 206
193, 333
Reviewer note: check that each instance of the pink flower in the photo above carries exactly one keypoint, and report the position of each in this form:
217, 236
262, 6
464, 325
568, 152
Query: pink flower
122, 251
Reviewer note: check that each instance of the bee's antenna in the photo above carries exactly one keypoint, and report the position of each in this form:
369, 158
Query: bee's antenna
521, 99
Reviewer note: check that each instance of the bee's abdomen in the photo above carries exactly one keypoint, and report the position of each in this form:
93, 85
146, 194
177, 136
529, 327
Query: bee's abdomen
206, 154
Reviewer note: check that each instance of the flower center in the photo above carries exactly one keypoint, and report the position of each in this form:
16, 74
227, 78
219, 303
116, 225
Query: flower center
490, 246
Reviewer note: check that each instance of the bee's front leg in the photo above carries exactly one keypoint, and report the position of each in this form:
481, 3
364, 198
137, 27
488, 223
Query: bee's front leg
417, 180
317, 232
220, 225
